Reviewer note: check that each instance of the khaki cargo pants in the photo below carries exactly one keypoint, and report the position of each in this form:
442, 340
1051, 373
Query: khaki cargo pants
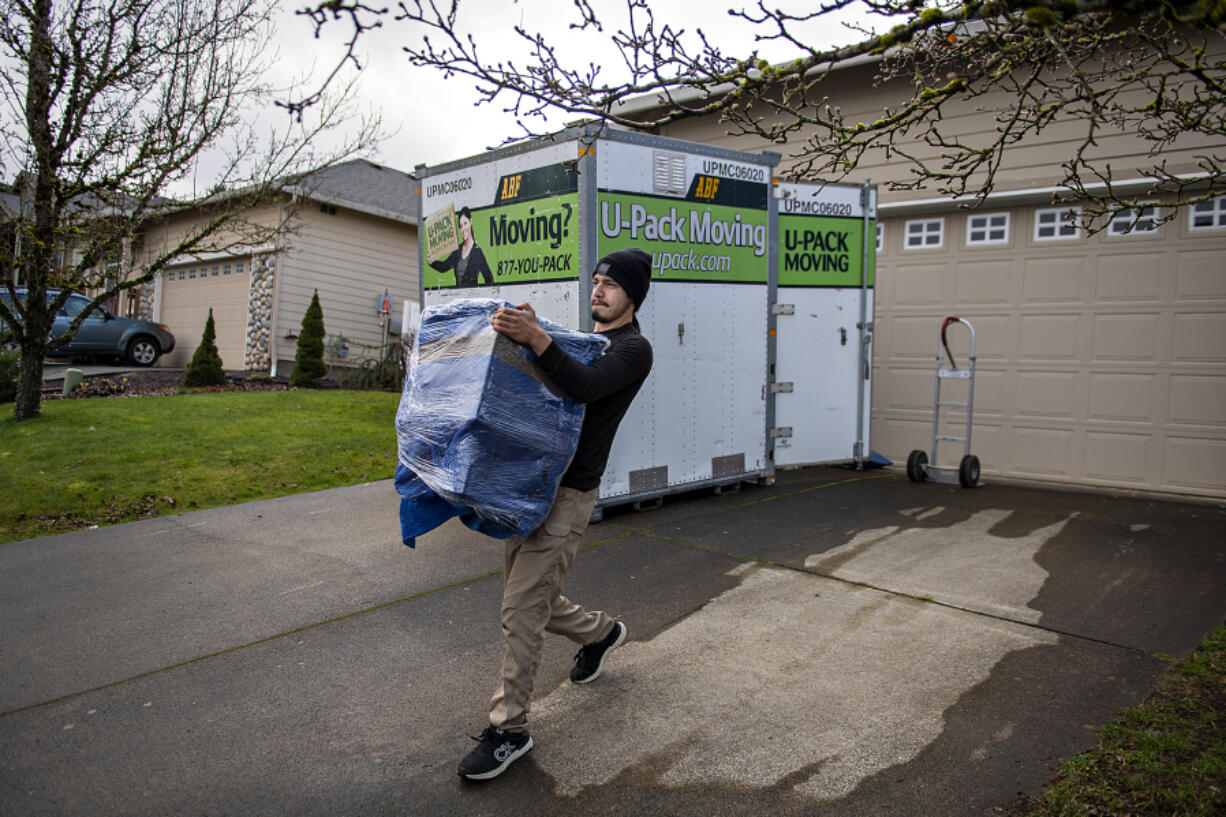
533, 604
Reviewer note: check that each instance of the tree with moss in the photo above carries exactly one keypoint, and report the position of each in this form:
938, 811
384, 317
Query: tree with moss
1152, 69
205, 366
309, 366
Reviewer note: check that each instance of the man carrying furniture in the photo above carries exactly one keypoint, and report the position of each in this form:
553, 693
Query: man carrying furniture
537, 565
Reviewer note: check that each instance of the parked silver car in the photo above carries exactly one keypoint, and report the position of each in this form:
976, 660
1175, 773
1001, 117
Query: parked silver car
105, 335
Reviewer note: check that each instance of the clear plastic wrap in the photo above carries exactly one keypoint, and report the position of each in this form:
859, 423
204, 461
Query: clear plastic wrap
482, 432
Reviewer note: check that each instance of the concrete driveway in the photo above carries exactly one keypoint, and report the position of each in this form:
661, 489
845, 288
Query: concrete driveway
841, 643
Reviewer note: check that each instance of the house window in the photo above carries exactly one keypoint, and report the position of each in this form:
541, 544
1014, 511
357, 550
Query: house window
170, 276
216, 269
880, 236
928, 233
987, 228
1056, 223
191, 272
238, 267
225, 269
1134, 221
1208, 215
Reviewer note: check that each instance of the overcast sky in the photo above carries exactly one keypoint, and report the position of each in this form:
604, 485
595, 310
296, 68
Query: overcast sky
435, 118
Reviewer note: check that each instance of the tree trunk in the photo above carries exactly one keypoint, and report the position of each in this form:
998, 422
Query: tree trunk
30, 385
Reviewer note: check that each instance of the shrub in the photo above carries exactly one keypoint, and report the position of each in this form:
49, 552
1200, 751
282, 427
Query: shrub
386, 372
309, 356
10, 371
205, 367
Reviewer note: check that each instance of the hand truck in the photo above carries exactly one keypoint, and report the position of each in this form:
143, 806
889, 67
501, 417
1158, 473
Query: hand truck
919, 468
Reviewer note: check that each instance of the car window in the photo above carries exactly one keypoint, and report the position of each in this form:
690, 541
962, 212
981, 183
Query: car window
74, 306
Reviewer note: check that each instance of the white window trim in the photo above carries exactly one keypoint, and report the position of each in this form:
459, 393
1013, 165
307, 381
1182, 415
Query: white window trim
1059, 223
987, 228
880, 229
906, 236
1218, 212
1136, 209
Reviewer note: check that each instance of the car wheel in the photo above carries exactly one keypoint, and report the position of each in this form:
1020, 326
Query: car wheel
143, 351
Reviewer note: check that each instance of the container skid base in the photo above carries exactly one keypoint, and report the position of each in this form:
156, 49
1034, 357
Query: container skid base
920, 467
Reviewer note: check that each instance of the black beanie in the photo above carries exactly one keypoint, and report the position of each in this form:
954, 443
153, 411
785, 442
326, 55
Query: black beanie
631, 269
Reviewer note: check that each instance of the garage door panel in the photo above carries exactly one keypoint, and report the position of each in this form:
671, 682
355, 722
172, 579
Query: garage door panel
992, 390
914, 338
1114, 457
1047, 394
1197, 400
1053, 281
1130, 277
1196, 463
1123, 396
910, 388
1199, 338
920, 285
1132, 338
983, 282
1049, 337
1045, 452
1199, 275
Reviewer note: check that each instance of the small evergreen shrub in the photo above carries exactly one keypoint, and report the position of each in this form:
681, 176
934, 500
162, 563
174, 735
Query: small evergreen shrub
205, 367
309, 366
10, 372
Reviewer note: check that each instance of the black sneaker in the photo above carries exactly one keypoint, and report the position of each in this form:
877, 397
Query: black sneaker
496, 750
590, 660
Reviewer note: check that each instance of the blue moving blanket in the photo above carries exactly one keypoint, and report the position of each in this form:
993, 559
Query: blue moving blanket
483, 434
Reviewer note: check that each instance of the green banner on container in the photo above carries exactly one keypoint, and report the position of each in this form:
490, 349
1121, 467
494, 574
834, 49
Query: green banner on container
817, 251
688, 240
524, 241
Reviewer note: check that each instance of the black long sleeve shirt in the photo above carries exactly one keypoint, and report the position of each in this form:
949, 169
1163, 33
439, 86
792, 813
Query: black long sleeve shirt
607, 387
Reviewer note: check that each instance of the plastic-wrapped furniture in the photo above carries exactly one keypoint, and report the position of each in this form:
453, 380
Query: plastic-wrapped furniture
483, 433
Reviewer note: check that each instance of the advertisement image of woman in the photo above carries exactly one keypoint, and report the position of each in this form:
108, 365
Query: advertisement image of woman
468, 260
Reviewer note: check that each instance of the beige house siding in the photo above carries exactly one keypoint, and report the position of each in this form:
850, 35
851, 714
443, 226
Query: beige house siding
351, 258
1101, 359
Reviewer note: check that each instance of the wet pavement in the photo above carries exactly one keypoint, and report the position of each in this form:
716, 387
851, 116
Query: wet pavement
841, 643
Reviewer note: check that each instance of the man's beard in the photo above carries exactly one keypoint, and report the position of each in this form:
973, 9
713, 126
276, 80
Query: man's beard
609, 318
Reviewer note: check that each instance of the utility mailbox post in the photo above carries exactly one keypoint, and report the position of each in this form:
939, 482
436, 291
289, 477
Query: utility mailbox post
537, 216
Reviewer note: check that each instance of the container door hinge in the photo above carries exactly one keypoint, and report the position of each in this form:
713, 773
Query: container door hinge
781, 388
783, 309
781, 431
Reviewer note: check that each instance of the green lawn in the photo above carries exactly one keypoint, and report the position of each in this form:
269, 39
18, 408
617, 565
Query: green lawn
102, 461
1164, 758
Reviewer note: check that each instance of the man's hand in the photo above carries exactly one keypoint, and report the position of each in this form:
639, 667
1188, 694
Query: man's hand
520, 325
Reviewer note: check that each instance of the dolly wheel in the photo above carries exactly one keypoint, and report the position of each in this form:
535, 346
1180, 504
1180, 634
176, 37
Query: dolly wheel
968, 471
915, 466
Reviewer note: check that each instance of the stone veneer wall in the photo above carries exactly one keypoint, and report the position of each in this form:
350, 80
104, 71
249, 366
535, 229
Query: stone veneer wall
145, 297
257, 356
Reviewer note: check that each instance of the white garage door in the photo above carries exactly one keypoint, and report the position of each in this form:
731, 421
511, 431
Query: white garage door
189, 291
1101, 359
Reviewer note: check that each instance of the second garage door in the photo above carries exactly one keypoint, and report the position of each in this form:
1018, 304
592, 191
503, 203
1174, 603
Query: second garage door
1102, 359
189, 291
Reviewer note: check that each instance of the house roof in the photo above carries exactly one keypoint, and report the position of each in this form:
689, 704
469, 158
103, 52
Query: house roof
364, 186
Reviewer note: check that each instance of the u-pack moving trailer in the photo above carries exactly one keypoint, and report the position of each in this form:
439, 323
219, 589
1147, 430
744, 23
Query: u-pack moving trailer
542, 213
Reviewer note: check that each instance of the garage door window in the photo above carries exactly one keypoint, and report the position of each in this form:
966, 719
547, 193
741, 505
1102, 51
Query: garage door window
1208, 215
1057, 223
987, 228
1135, 221
925, 234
